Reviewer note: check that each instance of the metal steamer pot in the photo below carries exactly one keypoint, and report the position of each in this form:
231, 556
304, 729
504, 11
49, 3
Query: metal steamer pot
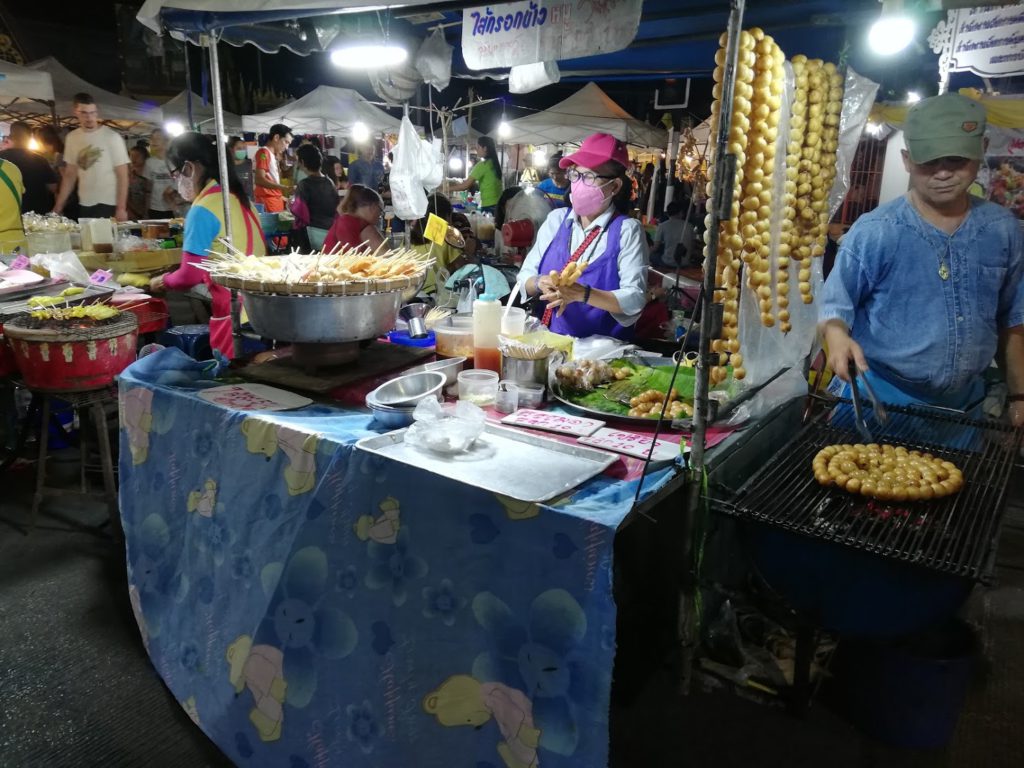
322, 319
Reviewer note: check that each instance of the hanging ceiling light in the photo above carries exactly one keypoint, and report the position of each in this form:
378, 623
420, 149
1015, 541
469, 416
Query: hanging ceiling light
893, 31
539, 157
369, 56
33, 144
174, 128
455, 163
504, 129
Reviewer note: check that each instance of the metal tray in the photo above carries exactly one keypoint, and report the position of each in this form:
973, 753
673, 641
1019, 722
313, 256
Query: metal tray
521, 465
15, 303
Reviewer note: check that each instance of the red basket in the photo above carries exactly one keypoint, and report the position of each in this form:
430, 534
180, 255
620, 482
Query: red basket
152, 315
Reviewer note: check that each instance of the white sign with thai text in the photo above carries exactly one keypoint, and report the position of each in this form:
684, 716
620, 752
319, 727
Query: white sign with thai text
988, 41
511, 34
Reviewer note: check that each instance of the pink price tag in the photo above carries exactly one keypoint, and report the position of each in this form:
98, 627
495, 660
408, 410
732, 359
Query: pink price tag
553, 422
100, 276
21, 262
631, 444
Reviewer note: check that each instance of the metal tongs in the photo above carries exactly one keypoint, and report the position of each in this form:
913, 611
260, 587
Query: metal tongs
881, 415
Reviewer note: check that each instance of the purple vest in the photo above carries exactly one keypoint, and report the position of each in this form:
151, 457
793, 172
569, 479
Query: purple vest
581, 319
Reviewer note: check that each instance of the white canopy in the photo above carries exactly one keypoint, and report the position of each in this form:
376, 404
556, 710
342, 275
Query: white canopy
113, 107
326, 110
24, 86
589, 110
202, 114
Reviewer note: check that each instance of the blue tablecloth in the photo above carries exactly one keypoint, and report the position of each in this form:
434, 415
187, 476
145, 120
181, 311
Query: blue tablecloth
309, 604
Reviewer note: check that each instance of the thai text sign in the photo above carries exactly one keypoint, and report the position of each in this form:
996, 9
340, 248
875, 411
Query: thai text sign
511, 34
988, 41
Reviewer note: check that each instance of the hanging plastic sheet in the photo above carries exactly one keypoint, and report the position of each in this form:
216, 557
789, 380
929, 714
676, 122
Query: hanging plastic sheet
434, 60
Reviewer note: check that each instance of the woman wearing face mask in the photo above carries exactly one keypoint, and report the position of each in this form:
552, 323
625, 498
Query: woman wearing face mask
596, 233
192, 161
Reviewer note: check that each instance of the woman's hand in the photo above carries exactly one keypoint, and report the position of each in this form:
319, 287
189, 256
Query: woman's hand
560, 296
156, 285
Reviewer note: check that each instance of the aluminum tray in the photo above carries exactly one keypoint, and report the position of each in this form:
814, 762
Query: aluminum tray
521, 465
15, 302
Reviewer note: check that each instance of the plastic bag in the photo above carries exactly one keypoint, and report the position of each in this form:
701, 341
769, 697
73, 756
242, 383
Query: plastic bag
445, 428
407, 194
529, 77
64, 265
434, 60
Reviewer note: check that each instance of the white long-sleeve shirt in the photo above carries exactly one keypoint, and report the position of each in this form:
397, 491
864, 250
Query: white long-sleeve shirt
632, 290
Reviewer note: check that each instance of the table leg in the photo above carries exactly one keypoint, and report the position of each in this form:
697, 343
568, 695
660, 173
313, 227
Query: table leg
109, 484
44, 439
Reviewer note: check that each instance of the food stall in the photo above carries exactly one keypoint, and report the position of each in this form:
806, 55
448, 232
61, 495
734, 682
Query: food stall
312, 589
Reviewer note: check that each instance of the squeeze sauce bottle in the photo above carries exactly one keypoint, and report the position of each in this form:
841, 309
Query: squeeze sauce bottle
486, 326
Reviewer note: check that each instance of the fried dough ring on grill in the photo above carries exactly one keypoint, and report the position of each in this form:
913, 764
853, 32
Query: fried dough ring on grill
886, 472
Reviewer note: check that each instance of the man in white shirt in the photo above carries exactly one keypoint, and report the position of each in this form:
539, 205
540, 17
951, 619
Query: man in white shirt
97, 163
162, 194
672, 233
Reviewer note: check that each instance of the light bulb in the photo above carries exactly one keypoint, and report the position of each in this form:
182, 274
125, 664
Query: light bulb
539, 157
913, 97
360, 133
455, 164
874, 129
33, 144
504, 129
173, 128
891, 34
374, 56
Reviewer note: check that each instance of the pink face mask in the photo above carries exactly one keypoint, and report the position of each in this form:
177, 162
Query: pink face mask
587, 200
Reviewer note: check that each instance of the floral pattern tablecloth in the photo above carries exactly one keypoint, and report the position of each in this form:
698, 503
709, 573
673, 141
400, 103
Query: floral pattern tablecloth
310, 604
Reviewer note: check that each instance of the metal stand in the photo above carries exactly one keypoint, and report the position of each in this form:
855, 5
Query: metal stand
710, 324
85, 404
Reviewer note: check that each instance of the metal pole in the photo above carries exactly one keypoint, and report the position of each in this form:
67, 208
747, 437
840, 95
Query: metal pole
222, 163
188, 88
670, 165
710, 323
721, 210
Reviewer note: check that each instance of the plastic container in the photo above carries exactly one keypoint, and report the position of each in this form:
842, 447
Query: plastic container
454, 337
909, 692
478, 387
531, 394
513, 322
506, 400
486, 327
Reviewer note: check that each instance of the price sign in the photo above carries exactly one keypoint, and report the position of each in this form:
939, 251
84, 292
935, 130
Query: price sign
101, 276
631, 444
436, 229
553, 422
254, 397
21, 262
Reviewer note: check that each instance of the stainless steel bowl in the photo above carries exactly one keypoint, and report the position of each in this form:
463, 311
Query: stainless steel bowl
406, 391
450, 367
393, 418
322, 319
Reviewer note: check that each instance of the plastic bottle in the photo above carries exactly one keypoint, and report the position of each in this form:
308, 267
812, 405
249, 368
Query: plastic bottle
486, 326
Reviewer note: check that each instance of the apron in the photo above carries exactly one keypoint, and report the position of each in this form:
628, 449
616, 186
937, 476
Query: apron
578, 319
221, 333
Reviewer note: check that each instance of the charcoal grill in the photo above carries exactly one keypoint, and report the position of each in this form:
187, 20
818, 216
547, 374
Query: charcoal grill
955, 535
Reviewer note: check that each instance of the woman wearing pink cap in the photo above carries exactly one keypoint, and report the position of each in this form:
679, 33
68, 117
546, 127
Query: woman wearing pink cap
596, 233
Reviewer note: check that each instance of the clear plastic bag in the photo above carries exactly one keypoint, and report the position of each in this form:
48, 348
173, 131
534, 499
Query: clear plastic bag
445, 429
407, 193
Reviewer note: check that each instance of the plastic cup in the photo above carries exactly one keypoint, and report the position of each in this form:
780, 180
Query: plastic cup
513, 322
506, 399
531, 395
478, 386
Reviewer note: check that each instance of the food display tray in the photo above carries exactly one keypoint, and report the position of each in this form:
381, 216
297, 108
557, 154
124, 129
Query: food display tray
15, 302
348, 288
521, 465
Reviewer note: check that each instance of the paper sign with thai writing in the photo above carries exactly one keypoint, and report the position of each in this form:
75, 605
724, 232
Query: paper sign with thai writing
631, 444
510, 34
21, 262
254, 397
988, 41
553, 422
101, 276
436, 229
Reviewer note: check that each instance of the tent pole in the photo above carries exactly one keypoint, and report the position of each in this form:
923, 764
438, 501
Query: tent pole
670, 190
222, 164
188, 88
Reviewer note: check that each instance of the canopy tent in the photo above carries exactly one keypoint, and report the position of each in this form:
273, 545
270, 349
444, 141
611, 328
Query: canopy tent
25, 94
589, 110
119, 111
326, 110
202, 114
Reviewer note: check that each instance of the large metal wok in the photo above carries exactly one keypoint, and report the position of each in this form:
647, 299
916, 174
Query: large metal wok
322, 319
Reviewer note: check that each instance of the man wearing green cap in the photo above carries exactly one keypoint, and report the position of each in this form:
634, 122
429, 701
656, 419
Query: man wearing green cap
928, 289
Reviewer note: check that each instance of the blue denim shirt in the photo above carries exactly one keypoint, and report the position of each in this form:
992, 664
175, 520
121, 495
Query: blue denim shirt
928, 336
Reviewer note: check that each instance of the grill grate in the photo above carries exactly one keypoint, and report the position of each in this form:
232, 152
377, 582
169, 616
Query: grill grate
955, 535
